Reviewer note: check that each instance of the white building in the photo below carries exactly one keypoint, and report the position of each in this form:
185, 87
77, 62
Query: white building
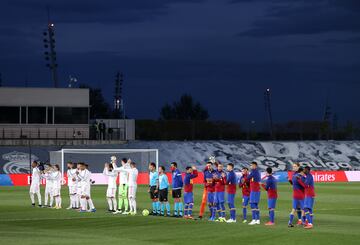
44, 113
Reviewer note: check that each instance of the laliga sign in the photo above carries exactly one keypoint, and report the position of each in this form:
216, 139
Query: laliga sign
276, 164
282, 165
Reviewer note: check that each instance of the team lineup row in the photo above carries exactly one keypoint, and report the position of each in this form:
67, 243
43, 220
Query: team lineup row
217, 182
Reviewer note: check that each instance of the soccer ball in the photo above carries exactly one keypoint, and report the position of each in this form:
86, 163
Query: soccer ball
145, 212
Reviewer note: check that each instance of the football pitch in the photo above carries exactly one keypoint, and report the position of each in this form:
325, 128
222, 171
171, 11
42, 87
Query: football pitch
336, 221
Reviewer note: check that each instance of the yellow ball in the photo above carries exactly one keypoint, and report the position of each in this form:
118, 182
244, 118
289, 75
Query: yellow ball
145, 212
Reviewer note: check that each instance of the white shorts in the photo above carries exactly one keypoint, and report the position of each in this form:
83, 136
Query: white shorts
111, 192
56, 191
72, 190
48, 189
132, 191
85, 190
34, 188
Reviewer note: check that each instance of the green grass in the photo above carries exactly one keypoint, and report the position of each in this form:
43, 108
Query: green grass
337, 221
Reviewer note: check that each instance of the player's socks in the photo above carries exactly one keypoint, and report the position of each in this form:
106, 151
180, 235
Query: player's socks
213, 212
109, 203
176, 206
311, 217
186, 209
162, 207
190, 209
303, 219
32, 197
114, 203
167, 208
126, 203
73, 201
253, 214
222, 210
308, 217
91, 204
272, 216
291, 218
158, 207
232, 211
39, 197
298, 211
121, 201
51, 201
180, 208
244, 213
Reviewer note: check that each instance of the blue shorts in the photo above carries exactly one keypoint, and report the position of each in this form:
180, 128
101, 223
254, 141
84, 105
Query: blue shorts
219, 197
298, 203
231, 198
309, 202
255, 197
245, 200
211, 197
272, 203
188, 197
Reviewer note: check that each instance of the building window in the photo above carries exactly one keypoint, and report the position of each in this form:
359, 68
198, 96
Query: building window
23, 115
9, 114
50, 115
37, 115
71, 115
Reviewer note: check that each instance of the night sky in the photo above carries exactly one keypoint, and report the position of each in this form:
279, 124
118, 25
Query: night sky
223, 52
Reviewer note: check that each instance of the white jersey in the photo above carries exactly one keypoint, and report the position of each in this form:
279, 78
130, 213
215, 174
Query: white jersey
112, 175
123, 176
49, 181
57, 178
36, 176
71, 174
132, 178
84, 177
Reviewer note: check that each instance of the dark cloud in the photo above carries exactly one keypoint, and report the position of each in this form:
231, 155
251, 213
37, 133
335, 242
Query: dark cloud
351, 40
306, 17
169, 47
86, 11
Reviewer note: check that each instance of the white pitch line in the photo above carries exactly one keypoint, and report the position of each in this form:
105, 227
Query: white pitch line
66, 218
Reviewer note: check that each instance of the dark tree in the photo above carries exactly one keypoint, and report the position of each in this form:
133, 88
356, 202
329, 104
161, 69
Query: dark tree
184, 109
99, 108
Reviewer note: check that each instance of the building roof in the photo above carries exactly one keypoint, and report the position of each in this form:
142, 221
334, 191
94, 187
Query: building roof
60, 97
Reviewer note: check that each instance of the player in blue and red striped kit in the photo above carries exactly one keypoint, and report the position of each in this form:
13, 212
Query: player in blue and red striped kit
308, 184
177, 184
210, 188
244, 184
271, 187
220, 182
298, 196
255, 179
191, 173
231, 182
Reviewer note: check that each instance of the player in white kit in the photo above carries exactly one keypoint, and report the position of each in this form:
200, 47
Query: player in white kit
72, 184
78, 188
48, 186
57, 179
123, 184
84, 176
35, 184
132, 184
111, 190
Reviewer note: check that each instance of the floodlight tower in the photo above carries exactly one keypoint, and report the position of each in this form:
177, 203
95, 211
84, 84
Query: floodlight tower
50, 54
267, 100
118, 99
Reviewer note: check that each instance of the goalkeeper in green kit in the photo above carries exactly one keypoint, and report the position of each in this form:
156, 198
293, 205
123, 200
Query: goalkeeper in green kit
123, 187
